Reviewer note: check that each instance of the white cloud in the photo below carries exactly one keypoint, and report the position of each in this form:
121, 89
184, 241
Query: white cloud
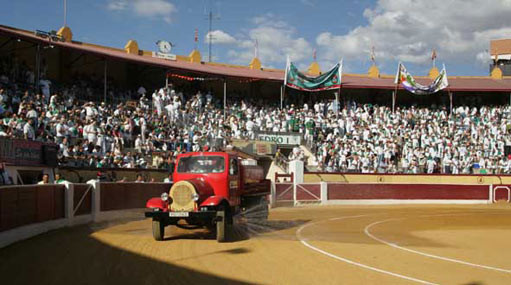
408, 30
483, 58
220, 37
118, 5
157, 9
276, 39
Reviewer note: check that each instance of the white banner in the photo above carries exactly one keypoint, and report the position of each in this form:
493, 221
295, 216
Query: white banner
166, 56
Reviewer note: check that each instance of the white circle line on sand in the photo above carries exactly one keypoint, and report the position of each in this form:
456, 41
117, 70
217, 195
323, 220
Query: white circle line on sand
304, 242
394, 245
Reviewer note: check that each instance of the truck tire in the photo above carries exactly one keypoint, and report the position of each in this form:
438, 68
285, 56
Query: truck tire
221, 227
158, 230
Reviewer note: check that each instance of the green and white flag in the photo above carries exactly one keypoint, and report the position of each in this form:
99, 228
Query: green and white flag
326, 81
408, 82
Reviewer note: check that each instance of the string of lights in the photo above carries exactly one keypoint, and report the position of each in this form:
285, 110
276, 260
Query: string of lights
191, 78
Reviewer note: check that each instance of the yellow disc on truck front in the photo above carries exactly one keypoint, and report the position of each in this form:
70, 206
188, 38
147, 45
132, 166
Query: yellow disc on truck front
182, 194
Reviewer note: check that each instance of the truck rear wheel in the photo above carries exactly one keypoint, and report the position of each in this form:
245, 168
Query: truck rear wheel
221, 226
158, 230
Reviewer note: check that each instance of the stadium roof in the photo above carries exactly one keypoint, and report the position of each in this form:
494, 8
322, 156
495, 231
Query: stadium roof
351, 81
500, 47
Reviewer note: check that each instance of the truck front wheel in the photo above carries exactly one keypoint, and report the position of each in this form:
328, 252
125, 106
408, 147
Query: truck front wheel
221, 226
158, 230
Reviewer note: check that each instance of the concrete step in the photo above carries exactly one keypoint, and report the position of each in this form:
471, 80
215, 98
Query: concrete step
274, 168
311, 158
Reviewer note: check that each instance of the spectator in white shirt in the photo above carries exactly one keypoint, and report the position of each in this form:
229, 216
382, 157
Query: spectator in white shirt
28, 130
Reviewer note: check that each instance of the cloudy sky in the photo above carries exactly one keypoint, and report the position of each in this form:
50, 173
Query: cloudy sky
399, 30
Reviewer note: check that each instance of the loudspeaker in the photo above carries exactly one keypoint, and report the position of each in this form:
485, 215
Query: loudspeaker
49, 155
507, 150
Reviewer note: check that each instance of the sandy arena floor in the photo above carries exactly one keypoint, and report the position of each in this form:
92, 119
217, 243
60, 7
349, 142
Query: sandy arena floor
307, 245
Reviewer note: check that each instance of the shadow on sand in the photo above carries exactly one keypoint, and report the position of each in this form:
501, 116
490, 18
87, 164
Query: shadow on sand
74, 256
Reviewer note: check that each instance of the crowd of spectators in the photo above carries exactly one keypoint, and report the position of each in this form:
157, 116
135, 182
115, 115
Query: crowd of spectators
150, 131
91, 134
414, 140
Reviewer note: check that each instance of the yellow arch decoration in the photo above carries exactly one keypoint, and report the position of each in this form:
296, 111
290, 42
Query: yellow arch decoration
131, 47
66, 33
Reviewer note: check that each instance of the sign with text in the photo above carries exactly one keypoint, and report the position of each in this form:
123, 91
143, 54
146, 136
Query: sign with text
25, 152
281, 138
254, 147
166, 56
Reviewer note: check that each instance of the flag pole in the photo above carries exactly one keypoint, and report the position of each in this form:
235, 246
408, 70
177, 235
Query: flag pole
433, 57
283, 88
281, 96
450, 101
340, 87
196, 38
394, 95
448, 90
396, 81
225, 98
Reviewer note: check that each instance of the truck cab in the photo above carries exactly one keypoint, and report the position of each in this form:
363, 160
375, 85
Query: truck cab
209, 189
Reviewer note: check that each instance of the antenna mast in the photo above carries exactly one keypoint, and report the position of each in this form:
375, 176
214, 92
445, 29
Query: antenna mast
65, 13
210, 18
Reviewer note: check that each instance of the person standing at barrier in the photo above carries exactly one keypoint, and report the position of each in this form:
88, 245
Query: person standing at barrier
168, 179
59, 179
45, 180
140, 179
431, 164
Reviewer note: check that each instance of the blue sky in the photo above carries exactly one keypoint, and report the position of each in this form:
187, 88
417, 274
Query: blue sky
400, 30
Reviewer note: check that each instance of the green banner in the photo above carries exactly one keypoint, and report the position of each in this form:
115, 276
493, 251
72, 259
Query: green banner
326, 81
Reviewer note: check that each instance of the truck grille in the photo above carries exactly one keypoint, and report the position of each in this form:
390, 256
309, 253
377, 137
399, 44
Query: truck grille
182, 196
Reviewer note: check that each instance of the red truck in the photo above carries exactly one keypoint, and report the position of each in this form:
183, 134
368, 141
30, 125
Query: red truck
209, 189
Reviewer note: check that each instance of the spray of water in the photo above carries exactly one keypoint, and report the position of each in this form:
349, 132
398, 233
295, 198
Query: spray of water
254, 222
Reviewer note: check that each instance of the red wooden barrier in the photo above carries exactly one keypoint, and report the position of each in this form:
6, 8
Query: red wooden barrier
284, 191
23, 205
85, 207
308, 192
407, 192
119, 196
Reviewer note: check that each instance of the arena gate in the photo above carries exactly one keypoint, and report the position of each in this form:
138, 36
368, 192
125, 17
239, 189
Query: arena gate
283, 190
501, 192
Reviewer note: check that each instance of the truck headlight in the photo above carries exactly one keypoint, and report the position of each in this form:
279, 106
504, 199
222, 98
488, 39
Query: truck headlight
195, 197
164, 196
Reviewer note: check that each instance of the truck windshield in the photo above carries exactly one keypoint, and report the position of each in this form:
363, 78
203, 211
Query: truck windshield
201, 164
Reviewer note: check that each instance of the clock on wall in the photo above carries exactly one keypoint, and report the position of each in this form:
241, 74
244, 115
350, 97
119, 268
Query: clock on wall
164, 46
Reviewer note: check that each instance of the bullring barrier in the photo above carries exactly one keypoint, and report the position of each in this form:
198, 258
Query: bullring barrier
345, 189
30, 210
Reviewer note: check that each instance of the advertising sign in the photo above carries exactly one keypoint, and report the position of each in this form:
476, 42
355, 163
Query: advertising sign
281, 138
29, 153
